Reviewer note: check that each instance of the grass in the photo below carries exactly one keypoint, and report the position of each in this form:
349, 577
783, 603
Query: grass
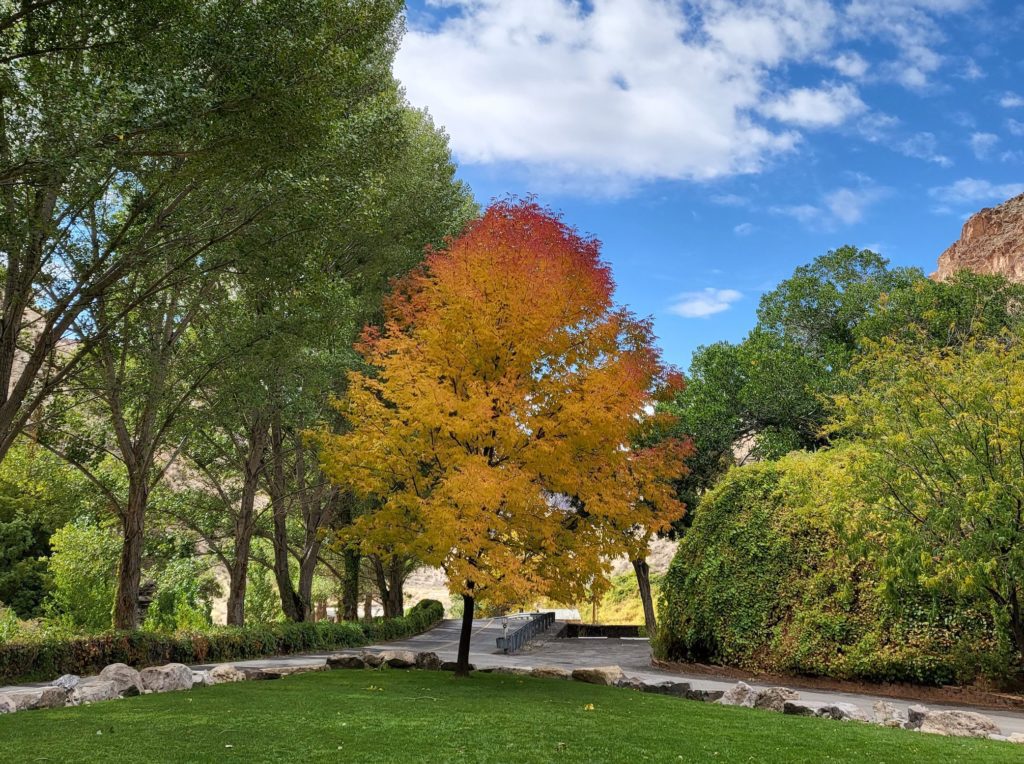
418, 716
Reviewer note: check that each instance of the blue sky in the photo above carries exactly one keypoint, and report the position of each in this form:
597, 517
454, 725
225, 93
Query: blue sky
714, 145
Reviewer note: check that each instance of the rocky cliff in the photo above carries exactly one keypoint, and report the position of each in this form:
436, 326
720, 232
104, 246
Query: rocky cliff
992, 241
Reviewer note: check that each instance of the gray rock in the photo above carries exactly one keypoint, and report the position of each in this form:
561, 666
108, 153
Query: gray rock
226, 672
127, 680
252, 674
7, 705
301, 668
915, 715
169, 678
93, 690
675, 689
346, 662
999, 738
629, 683
31, 698
202, 679
428, 661
400, 659
67, 681
767, 698
800, 708
958, 724
373, 660
1016, 737
551, 672
843, 712
607, 675
888, 715
507, 670
705, 696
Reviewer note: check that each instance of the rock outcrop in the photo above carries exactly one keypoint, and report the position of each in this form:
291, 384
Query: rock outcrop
992, 242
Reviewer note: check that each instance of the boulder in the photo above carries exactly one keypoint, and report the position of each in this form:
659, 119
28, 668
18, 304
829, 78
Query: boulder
507, 670
127, 680
767, 698
428, 661
400, 659
705, 696
7, 705
67, 681
551, 672
253, 674
93, 690
630, 683
958, 724
843, 712
915, 715
675, 689
202, 679
888, 715
608, 675
169, 678
225, 672
1016, 737
301, 668
344, 661
800, 708
373, 660
31, 698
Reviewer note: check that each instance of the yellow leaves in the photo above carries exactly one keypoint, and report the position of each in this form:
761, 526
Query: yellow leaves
588, 707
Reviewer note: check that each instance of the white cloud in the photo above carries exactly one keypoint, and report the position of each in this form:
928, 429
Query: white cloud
704, 303
610, 93
982, 144
923, 146
840, 206
744, 229
1015, 127
815, 107
850, 64
730, 200
1011, 100
973, 192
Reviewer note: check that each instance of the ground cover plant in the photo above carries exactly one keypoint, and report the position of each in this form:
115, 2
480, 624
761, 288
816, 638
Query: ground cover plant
412, 716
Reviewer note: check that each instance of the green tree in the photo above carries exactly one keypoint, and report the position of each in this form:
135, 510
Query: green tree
83, 567
943, 434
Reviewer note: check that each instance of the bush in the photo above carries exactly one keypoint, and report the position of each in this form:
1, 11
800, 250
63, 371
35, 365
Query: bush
47, 658
83, 568
769, 579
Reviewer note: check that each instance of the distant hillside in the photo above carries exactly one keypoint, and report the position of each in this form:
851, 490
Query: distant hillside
992, 241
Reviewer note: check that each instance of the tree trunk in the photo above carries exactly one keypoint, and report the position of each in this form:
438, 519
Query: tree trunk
1016, 621
643, 580
466, 634
245, 524
129, 570
368, 607
396, 586
291, 602
350, 585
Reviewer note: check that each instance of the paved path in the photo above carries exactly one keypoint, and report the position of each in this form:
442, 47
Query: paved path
633, 655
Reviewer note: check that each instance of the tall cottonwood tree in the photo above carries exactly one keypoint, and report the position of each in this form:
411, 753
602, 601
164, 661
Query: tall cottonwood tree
494, 430
139, 132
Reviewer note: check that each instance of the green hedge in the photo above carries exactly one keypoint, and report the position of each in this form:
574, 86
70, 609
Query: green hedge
49, 658
771, 578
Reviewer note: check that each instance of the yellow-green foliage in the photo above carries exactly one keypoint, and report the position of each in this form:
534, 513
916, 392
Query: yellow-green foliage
770, 577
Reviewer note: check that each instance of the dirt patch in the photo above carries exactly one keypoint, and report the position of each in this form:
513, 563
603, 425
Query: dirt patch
959, 696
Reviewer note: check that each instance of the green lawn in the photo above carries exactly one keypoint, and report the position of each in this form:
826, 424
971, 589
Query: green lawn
430, 717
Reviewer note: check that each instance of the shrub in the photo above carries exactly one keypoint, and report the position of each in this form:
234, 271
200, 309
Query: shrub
768, 578
46, 658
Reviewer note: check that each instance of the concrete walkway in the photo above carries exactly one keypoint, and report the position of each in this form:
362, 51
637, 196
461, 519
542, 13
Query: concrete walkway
632, 655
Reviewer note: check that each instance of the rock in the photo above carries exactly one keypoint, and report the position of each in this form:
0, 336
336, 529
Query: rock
507, 670
992, 241
7, 705
428, 661
202, 679
31, 698
705, 696
169, 678
888, 715
607, 675
127, 680
958, 724
289, 670
551, 672
93, 690
800, 708
768, 698
915, 715
253, 674
999, 738
225, 672
400, 659
629, 683
453, 666
1016, 737
675, 689
843, 712
373, 660
346, 662
67, 682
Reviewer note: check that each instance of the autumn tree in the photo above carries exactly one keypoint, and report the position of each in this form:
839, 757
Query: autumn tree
494, 431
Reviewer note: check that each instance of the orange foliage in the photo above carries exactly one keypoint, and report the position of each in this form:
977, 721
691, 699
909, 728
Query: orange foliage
495, 435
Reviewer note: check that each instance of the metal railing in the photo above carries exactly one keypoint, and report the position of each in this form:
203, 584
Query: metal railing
533, 624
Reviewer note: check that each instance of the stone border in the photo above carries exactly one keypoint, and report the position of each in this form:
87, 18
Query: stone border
119, 681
